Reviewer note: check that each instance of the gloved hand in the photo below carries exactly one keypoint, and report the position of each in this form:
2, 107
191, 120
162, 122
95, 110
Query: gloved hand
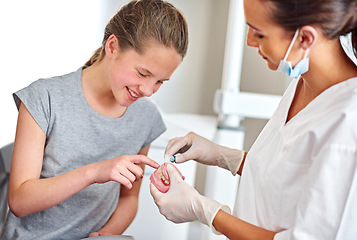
202, 150
182, 203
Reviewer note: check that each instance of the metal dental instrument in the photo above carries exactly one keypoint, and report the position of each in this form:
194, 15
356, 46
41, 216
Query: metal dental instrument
169, 158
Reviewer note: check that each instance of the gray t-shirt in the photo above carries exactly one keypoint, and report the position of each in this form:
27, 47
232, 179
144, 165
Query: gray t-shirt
76, 136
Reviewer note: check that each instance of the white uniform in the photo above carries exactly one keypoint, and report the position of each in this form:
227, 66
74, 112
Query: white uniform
300, 177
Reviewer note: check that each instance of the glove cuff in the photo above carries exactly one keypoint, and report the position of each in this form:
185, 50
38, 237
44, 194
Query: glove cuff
209, 210
224, 208
235, 163
231, 159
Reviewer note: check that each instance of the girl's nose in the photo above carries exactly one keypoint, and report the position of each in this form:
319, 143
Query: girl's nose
148, 89
251, 42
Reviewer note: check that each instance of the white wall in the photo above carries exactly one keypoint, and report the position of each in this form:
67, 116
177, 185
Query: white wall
42, 38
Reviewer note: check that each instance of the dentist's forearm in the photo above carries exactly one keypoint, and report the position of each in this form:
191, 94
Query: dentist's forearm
235, 228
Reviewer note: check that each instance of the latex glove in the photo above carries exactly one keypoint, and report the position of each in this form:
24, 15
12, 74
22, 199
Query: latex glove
202, 150
182, 203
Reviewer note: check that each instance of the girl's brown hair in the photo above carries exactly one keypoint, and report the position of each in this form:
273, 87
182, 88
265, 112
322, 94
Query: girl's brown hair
142, 21
334, 17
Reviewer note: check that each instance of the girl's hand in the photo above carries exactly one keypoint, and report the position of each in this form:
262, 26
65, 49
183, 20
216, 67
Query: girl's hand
124, 169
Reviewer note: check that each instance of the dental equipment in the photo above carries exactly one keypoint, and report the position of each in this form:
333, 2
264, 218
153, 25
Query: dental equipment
169, 158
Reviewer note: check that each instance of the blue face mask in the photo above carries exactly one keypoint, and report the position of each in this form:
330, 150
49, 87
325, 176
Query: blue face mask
300, 68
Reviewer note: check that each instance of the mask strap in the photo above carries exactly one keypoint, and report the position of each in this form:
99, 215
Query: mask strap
291, 44
307, 52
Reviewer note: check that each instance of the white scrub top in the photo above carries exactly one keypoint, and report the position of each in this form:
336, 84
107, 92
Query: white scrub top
300, 177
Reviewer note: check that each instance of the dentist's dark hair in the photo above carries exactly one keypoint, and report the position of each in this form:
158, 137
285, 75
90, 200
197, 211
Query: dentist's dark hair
140, 22
335, 17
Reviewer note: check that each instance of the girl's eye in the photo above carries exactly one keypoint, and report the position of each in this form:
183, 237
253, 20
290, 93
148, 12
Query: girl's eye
160, 82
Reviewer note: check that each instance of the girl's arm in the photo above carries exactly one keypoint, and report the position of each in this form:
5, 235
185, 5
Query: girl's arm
29, 194
234, 228
126, 209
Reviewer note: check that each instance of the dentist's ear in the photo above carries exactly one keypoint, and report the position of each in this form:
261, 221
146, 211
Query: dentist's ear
307, 37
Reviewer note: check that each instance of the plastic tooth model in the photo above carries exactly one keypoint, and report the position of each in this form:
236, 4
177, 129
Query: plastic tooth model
160, 178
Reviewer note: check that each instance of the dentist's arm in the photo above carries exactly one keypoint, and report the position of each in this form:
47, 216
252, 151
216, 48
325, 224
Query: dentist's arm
182, 203
235, 228
202, 150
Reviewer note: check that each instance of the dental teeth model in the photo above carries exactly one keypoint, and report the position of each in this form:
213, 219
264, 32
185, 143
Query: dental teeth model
160, 178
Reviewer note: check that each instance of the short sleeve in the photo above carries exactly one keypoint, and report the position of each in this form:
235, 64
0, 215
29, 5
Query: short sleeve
36, 99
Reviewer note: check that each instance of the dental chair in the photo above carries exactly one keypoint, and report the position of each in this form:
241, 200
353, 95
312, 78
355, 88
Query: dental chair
110, 237
3, 191
5, 160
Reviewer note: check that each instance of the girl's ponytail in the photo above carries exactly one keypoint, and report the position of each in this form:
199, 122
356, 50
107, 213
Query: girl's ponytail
97, 56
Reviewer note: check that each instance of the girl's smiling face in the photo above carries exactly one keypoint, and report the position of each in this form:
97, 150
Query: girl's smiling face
134, 75
270, 39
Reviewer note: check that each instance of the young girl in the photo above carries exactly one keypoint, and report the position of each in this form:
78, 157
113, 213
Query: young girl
299, 179
82, 135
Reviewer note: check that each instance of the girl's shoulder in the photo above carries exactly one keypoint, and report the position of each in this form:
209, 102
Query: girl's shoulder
65, 80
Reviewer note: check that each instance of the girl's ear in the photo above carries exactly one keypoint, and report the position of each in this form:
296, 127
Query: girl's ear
111, 46
307, 37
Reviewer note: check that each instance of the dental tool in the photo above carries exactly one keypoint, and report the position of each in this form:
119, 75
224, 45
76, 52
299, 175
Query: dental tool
169, 158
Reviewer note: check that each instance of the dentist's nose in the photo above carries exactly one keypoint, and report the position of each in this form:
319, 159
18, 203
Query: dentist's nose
251, 42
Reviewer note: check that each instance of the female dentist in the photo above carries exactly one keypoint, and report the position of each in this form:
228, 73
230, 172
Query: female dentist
299, 179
